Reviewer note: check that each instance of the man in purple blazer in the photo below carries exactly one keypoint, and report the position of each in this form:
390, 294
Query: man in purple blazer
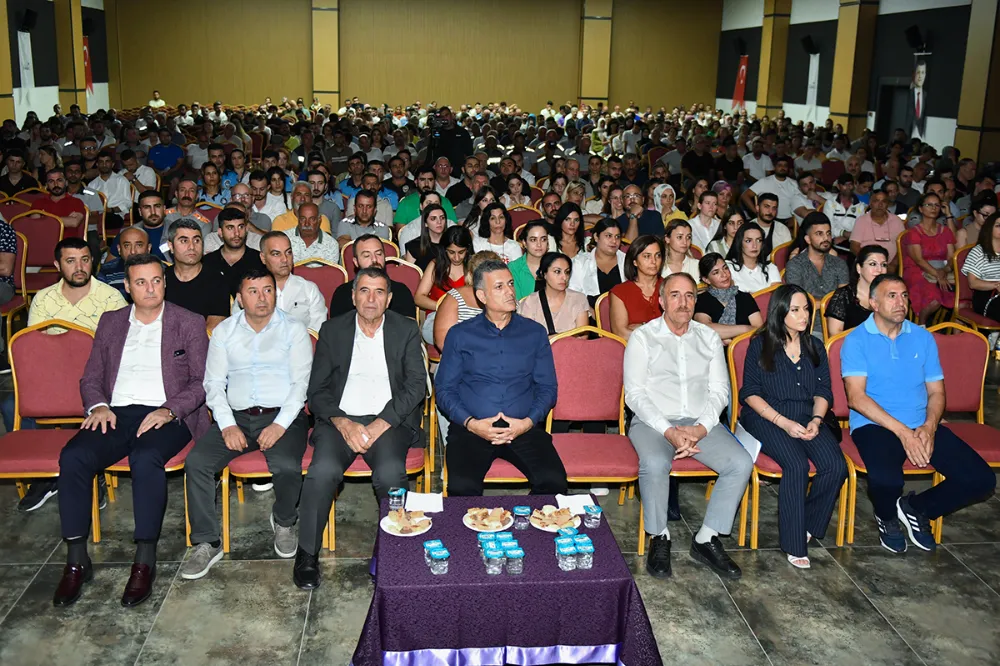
142, 389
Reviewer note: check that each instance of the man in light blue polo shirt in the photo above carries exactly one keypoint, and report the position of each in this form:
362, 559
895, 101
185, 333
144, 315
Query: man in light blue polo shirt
895, 388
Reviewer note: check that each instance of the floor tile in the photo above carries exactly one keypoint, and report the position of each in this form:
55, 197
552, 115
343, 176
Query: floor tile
14, 580
337, 612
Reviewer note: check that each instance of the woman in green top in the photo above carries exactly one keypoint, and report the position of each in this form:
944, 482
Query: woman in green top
525, 268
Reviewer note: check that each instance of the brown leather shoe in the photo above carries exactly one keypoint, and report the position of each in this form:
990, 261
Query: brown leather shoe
71, 583
139, 585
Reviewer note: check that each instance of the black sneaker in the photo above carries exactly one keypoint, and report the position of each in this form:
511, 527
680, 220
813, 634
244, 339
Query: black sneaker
658, 558
38, 494
712, 554
890, 536
916, 524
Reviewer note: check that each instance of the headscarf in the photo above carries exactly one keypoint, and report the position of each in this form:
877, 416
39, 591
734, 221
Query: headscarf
658, 192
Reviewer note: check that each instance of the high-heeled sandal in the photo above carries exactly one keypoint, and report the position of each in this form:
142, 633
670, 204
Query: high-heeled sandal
799, 562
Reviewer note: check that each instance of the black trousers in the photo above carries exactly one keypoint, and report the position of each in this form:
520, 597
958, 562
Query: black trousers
469, 458
91, 451
331, 458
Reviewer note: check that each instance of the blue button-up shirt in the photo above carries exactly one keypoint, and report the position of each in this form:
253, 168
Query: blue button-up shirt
897, 371
247, 369
485, 370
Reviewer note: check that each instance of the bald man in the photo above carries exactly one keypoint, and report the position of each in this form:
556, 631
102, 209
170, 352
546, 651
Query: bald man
132, 240
301, 194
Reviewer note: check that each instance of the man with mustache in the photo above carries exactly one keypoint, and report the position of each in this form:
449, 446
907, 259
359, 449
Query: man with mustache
60, 203
483, 358
816, 270
676, 382
187, 197
191, 283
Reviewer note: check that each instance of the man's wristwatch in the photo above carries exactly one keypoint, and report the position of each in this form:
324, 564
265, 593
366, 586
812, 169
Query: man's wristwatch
173, 417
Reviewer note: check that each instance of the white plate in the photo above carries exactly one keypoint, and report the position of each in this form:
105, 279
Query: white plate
554, 529
510, 521
384, 524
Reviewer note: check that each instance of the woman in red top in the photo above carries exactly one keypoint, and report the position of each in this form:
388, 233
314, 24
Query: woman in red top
444, 273
927, 252
637, 300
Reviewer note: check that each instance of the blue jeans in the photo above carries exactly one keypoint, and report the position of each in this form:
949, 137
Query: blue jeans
7, 410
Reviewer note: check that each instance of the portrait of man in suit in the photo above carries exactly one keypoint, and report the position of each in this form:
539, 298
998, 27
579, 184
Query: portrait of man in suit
916, 105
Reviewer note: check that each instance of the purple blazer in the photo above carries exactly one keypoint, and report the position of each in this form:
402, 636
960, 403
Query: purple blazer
183, 348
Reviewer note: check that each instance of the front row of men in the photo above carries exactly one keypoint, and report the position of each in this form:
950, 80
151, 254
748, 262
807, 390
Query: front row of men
153, 374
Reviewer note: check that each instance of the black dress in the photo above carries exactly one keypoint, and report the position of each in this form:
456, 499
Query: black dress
422, 259
844, 306
710, 305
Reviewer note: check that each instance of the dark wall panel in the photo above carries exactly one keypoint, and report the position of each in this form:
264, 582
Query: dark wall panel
945, 31
824, 37
729, 62
43, 40
95, 30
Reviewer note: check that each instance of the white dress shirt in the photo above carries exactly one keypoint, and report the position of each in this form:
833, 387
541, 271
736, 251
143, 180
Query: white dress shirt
751, 280
116, 189
367, 390
785, 190
249, 369
509, 251
701, 235
144, 175
674, 377
583, 278
140, 375
325, 247
274, 205
301, 300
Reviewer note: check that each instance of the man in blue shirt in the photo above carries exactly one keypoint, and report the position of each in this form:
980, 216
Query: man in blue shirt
165, 156
637, 220
496, 384
895, 388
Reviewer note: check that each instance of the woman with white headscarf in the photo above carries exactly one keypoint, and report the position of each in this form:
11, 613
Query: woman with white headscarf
664, 198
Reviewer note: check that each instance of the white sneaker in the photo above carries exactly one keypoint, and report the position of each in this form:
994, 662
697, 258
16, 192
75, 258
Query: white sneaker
994, 338
262, 487
599, 491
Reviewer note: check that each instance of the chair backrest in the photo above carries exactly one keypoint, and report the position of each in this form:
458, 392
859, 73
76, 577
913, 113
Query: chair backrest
209, 210
591, 390
602, 309
256, 145
831, 171
325, 276
654, 156
31, 195
963, 292
696, 252
43, 232
521, 215
11, 208
779, 255
964, 354
46, 370
536, 195
21, 265
763, 299
821, 313
404, 272
839, 408
347, 255
736, 354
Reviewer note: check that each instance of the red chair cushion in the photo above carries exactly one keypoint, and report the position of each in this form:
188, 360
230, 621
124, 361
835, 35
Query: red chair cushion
984, 439
769, 467
174, 463
414, 461
850, 449
978, 319
33, 451
596, 455
255, 463
38, 281
17, 301
501, 469
690, 465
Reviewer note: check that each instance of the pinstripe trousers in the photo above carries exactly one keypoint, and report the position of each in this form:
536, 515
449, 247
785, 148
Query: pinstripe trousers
799, 512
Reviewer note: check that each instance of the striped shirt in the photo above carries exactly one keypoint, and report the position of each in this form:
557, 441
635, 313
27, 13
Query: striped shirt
977, 264
464, 310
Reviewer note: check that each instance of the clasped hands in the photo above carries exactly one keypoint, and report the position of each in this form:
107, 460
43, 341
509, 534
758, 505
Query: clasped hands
499, 436
796, 430
236, 441
918, 444
685, 439
359, 437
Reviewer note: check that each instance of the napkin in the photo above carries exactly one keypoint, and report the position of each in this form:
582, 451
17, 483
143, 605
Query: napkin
575, 503
426, 502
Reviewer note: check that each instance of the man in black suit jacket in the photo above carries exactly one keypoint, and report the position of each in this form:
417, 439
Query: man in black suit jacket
366, 389
916, 118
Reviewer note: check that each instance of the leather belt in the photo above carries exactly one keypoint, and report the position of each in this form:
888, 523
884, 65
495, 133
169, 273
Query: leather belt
257, 411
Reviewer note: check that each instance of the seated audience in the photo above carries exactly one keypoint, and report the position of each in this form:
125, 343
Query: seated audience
677, 384
567, 230
268, 416
411, 231
878, 227
15, 179
723, 307
730, 223
302, 193
187, 206
483, 198
816, 270
132, 240
60, 203
981, 208
848, 307
636, 299
189, 283
309, 242
524, 269
664, 199
895, 388
516, 193
212, 189
425, 249
597, 271
496, 233
677, 239
775, 231
704, 223
927, 252
982, 267
369, 251
234, 258
636, 220
555, 306
444, 273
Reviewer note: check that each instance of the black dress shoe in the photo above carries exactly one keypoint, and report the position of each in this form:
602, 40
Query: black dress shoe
71, 583
714, 555
139, 585
658, 558
305, 573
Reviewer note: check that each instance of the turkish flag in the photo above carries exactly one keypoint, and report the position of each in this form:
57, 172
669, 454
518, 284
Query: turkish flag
741, 85
86, 65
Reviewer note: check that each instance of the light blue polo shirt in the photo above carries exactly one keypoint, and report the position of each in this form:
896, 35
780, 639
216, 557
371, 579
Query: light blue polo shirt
897, 370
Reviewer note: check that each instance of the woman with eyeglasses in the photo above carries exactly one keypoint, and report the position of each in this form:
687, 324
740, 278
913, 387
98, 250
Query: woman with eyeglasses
982, 267
927, 252
848, 307
983, 205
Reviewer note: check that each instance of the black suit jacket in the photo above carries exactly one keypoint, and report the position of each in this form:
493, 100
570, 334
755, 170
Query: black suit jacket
911, 112
403, 357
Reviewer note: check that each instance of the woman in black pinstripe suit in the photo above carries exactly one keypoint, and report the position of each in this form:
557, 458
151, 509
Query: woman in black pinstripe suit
785, 395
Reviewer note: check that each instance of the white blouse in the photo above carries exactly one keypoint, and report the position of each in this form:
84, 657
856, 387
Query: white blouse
509, 251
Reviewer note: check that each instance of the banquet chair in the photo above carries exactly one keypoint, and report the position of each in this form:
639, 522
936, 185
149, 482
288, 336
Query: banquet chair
20, 299
521, 215
35, 358
11, 207
855, 464
347, 255
404, 272
963, 312
602, 312
209, 210
43, 231
764, 466
821, 313
31, 195
779, 255
696, 252
536, 195
763, 298
324, 275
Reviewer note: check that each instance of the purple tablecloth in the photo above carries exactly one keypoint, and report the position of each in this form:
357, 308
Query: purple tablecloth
468, 618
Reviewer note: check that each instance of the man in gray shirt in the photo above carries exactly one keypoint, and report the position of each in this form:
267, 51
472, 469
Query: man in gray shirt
815, 269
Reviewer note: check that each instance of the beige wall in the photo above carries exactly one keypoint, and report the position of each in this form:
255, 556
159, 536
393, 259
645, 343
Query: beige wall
238, 51
665, 52
456, 51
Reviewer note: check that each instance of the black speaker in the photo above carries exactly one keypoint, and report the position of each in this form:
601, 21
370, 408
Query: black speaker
914, 38
809, 45
741, 46
88, 26
29, 21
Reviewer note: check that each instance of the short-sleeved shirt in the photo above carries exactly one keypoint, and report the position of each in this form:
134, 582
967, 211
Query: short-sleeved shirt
8, 245
207, 294
976, 264
801, 271
710, 305
650, 223
164, 156
49, 303
700, 166
232, 274
786, 190
10, 189
757, 167
897, 371
867, 232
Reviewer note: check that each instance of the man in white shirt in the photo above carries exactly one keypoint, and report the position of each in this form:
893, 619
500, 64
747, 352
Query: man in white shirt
141, 177
256, 376
217, 115
114, 186
778, 184
673, 158
839, 151
775, 233
366, 391
807, 199
809, 161
443, 180
757, 164
677, 384
297, 297
156, 102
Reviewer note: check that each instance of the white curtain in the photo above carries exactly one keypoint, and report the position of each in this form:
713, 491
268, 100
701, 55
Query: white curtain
812, 87
27, 68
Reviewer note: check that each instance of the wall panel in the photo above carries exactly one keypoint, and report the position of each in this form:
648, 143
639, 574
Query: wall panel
665, 54
454, 51
238, 51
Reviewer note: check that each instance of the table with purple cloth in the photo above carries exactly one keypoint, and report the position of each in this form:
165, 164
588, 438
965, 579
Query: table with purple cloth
469, 618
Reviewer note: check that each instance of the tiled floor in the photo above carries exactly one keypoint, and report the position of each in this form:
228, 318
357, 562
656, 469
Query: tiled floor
857, 605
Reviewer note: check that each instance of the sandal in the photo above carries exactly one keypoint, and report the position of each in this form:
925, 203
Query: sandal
798, 562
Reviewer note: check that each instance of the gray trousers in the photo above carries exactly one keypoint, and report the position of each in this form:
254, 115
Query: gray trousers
719, 451
210, 455
7, 292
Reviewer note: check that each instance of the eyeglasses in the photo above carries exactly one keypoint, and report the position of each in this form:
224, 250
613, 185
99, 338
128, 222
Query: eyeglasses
932, 205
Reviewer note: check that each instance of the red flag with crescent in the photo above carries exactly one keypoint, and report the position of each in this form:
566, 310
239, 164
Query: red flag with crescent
739, 92
86, 65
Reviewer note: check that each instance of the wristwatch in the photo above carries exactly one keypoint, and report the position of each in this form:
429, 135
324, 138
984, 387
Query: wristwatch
173, 416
